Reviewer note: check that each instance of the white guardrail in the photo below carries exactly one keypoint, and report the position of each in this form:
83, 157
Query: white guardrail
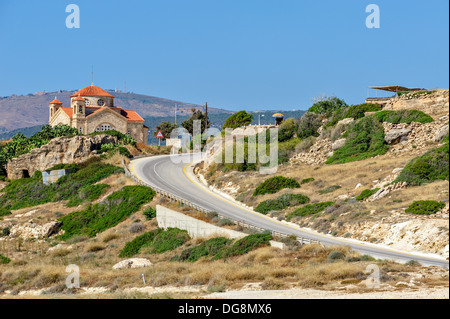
182, 201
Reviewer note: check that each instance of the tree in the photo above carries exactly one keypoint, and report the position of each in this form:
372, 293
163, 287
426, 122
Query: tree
166, 128
287, 130
241, 118
308, 125
196, 115
327, 106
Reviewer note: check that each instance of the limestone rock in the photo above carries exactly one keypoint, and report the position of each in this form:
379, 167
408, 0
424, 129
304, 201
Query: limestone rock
443, 131
396, 136
62, 150
345, 121
338, 144
133, 263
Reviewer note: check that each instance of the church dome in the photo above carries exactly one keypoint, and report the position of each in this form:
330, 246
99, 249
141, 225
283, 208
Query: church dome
92, 90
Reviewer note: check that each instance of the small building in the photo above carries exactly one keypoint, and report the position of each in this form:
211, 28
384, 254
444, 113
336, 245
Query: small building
50, 177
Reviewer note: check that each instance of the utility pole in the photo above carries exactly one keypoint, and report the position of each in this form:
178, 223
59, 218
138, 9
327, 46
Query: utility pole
206, 116
176, 113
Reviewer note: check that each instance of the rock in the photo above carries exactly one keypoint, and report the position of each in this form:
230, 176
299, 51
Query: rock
338, 144
32, 230
345, 121
443, 131
397, 170
133, 263
358, 185
53, 228
396, 136
62, 150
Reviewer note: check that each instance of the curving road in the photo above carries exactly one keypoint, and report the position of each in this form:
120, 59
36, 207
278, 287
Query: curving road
174, 174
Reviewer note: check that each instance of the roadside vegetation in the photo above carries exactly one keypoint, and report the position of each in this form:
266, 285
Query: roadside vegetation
274, 184
425, 207
281, 202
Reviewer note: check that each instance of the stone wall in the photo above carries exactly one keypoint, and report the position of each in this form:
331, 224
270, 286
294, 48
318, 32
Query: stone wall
62, 150
196, 228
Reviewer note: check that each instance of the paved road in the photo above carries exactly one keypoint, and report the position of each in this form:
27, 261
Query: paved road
174, 174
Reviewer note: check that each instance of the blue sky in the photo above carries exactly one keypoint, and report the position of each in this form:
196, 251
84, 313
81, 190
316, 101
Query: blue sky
235, 54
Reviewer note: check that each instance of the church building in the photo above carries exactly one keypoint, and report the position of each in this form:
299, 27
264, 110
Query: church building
92, 110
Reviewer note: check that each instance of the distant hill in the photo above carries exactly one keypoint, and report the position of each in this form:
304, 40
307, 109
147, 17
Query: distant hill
20, 111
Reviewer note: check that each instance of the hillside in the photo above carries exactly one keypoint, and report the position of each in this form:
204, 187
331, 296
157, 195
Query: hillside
21, 111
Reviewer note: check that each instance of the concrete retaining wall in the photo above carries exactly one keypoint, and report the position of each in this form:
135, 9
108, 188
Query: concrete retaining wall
168, 218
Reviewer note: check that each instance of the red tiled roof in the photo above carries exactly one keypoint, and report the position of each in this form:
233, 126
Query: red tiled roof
55, 101
132, 115
92, 90
68, 111
78, 98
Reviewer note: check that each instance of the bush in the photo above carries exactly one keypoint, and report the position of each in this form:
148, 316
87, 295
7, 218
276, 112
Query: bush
99, 217
287, 130
358, 111
168, 240
327, 106
88, 193
365, 139
431, 166
329, 189
123, 138
425, 207
275, 184
208, 248
403, 116
136, 228
309, 209
308, 125
225, 222
4, 260
336, 255
281, 202
239, 119
5, 232
366, 194
133, 247
307, 180
245, 245
149, 213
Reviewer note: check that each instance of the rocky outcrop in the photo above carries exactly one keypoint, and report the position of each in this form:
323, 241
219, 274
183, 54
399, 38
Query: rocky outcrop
338, 144
31, 230
133, 263
396, 136
435, 104
65, 150
317, 154
441, 133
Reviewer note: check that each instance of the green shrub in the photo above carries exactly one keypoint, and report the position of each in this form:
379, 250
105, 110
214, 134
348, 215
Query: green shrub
425, 207
88, 193
308, 180
365, 139
309, 209
133, 247
429, 167
275, 184
358, 111
287, 130
99, 217
4, 260
329, 189
366, 193
245, 245
241, 118
225, 222
327, 106
208, 248
149, 213
123, 138
336, 255
5, 232
168, 240
281, 202
308, 125
403, 116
